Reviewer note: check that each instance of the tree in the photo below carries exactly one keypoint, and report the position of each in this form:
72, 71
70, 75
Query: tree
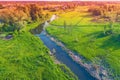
35, 12
7, 28
18, 25
65, 25
1, 6
70, 29
105, 29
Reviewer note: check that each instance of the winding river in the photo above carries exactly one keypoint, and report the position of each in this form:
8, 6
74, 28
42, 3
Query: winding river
61, 54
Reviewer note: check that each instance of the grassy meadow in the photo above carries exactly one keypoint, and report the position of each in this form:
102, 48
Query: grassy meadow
92, 29
80, 34
24, 57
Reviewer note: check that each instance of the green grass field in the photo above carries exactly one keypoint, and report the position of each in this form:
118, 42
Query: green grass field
88, 39
24, 57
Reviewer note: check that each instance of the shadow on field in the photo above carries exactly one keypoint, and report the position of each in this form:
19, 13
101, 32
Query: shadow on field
95, 35
56, 25
112, 43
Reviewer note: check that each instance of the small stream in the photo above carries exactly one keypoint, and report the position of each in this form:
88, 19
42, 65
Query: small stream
62, 56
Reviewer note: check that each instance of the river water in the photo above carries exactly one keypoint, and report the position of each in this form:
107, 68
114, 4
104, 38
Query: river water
62, 56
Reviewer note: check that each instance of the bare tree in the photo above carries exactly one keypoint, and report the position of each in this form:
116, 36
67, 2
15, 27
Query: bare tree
65, 25
108, 30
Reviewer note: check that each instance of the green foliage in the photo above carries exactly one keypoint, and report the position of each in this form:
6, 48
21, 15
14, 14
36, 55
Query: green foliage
89, 40
109, 29
18, 17
26, 58
7, 28
12, 27
35, 12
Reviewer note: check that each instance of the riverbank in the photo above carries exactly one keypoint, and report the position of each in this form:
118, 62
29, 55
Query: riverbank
62, 56
94, 69
97, 71
24, 56
43, 35
88, 40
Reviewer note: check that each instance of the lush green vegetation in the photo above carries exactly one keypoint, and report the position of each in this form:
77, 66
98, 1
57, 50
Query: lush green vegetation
26, 58
92, 31
23, 56
77, 31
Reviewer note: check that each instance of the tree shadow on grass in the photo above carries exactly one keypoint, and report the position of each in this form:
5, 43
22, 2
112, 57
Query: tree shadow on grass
96, 35
56, 25
112, 43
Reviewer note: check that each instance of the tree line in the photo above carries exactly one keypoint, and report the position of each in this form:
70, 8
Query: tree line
109, 13
16, 17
